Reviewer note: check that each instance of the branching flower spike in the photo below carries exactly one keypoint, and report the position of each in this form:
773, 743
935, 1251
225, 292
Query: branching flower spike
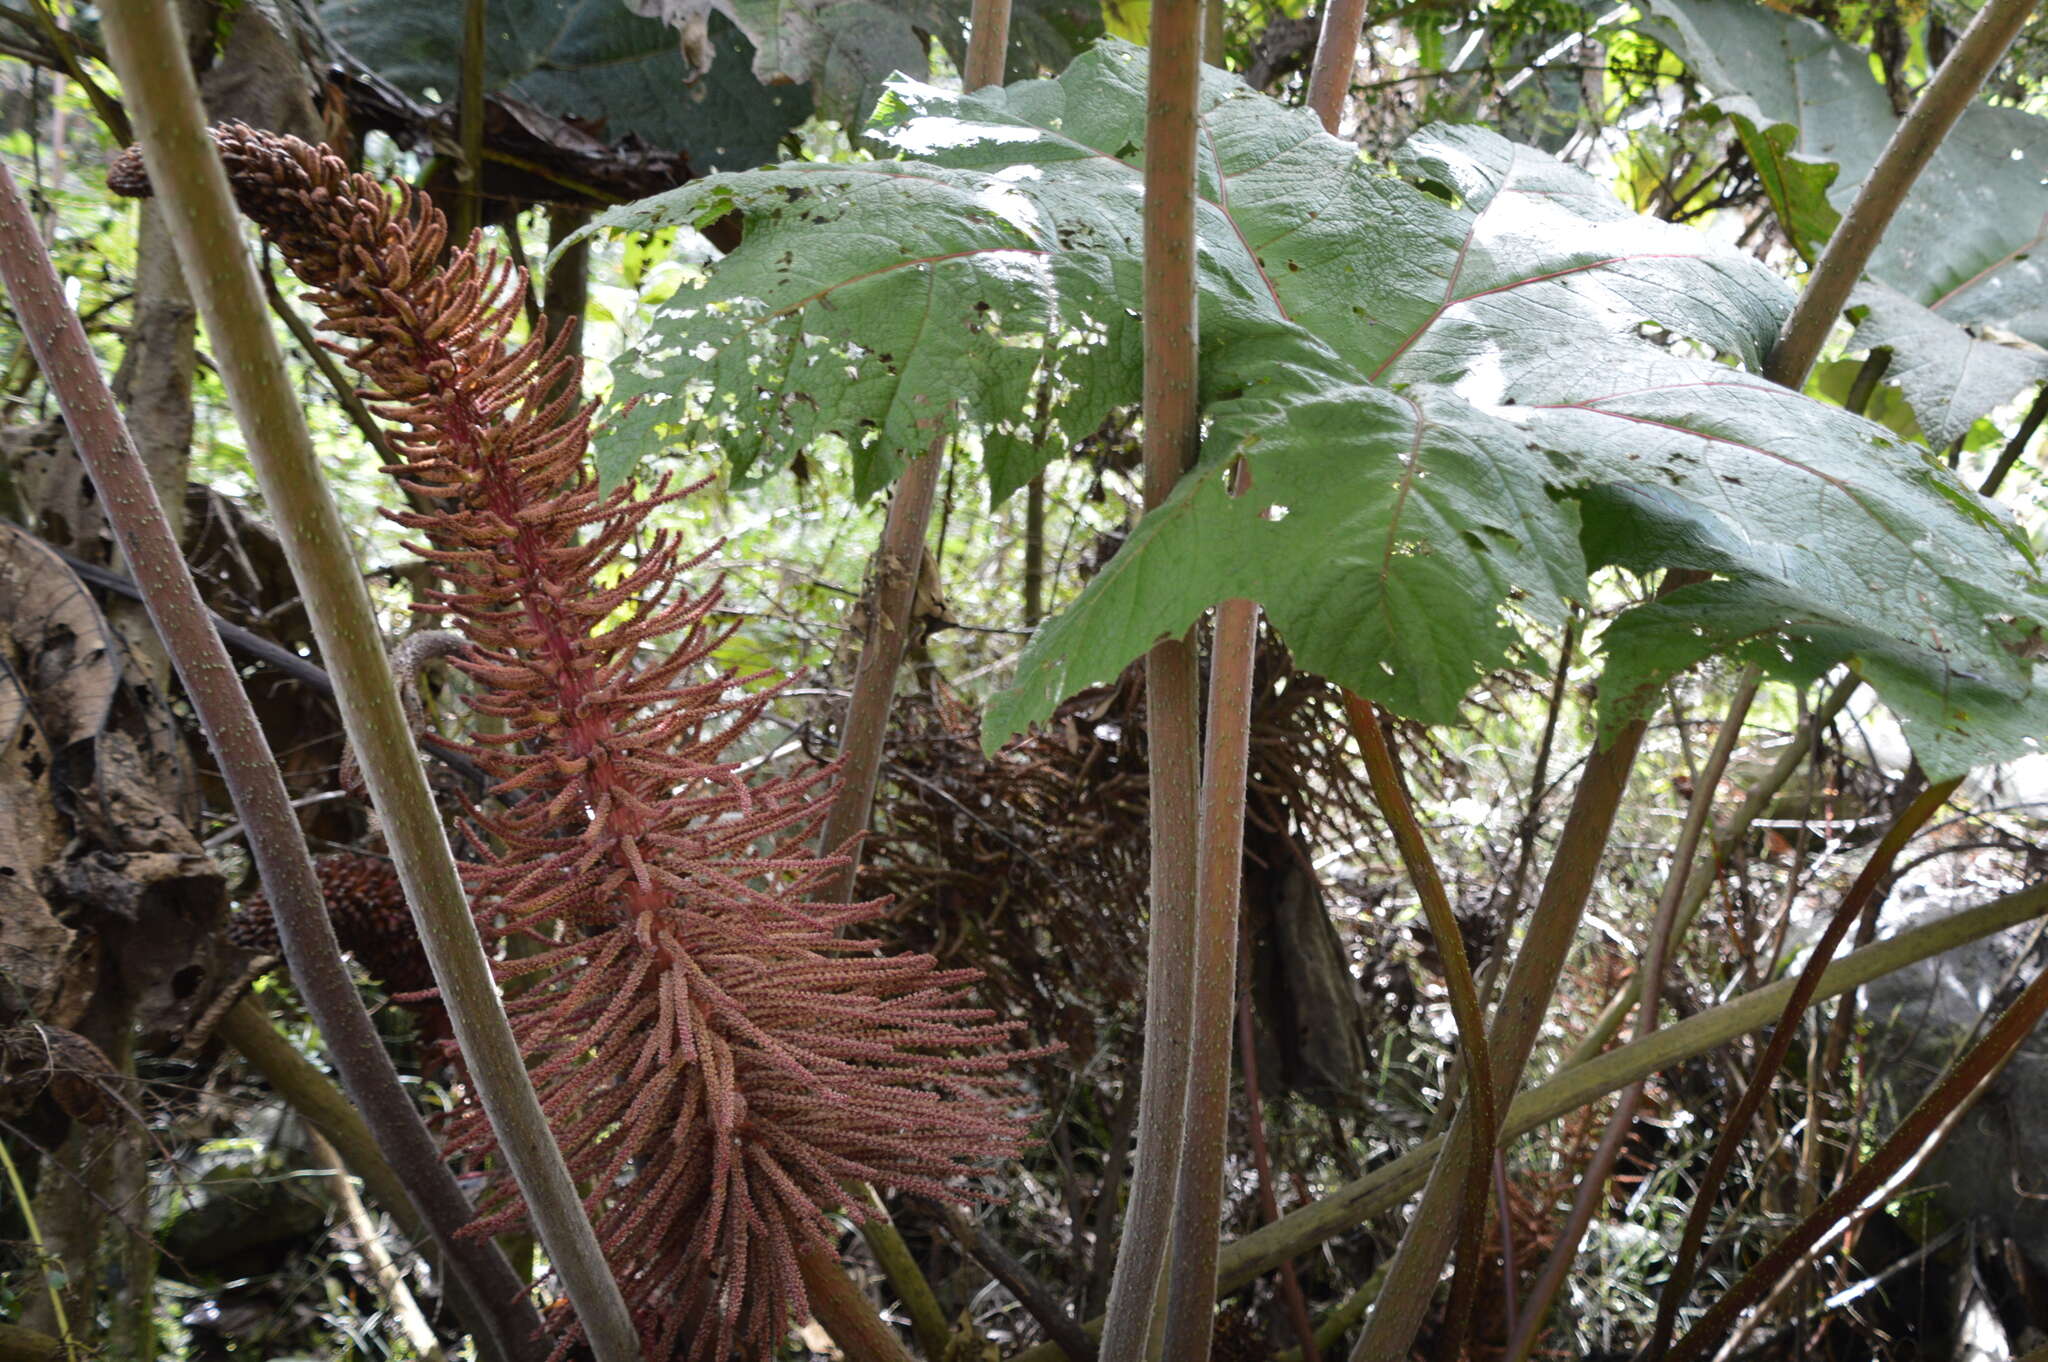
718, 1059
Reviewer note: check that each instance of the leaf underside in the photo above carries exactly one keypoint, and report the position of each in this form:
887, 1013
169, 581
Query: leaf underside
590, 60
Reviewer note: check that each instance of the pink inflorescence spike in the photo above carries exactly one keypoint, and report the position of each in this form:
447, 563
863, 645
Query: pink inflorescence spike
718, 1058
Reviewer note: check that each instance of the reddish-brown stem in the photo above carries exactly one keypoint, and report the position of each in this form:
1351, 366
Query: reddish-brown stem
987, 42
839, 1305
1269, 1206
1925, 1120
1197, 1212
1172, 687
1411, 1279
893, 591
1329, 80
1392, 798
497, 1309
1656, 955
1874, 878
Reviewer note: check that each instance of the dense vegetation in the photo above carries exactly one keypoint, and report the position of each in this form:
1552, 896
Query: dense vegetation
1124, 666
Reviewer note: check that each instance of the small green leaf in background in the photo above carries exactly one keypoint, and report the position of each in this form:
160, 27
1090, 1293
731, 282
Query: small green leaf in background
1130, 20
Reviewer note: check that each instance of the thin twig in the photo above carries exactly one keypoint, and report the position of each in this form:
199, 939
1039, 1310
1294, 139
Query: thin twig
1172, 685
1416, 858
412, 1323
337, 382
111, 115
1389, 1185
1727, 837
1269, 1205
2017, 445
1870, 882
1037, 1301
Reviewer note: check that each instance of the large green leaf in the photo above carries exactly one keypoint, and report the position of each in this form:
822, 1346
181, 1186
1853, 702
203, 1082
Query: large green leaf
1953, 719
879, 304
585, 59
1965, 244
1828, 528
1415, 370
1383, 531
1950, 374
1005, 255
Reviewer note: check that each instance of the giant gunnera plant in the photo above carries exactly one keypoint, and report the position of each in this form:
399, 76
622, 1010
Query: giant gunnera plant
719, 1059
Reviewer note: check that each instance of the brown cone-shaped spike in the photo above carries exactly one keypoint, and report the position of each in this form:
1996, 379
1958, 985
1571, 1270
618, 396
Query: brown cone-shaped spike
718, 1059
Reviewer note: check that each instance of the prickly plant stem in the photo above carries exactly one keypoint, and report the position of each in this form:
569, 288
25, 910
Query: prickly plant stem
1392, 798
260, 798
180, 158
846, 1314
1870, 883
1172, 686
1657, 951
988, 42
1219, 879
1329, 79
893, 586
1411, 1279
1912, 143
893, 592
1388, 1186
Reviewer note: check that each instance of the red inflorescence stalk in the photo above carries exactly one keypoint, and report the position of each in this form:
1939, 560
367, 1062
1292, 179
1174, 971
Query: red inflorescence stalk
717, 1058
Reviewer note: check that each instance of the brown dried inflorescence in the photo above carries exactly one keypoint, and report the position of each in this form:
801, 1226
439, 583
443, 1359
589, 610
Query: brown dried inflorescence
367, 907
719, 1060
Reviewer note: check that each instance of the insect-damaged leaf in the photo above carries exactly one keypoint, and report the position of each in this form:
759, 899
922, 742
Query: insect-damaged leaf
1422, 368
